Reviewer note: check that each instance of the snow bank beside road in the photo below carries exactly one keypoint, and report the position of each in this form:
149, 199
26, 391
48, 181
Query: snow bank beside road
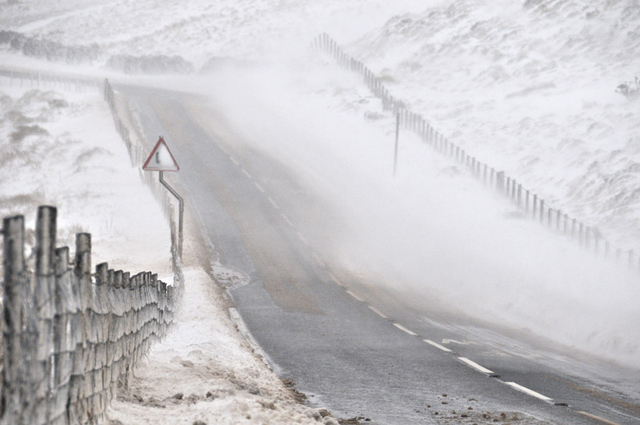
204, 373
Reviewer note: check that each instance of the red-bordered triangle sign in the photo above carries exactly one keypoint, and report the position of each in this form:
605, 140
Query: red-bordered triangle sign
161, 158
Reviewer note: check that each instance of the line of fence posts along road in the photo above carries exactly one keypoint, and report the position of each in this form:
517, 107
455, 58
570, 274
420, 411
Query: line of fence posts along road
70, 337
533, 206
38, 79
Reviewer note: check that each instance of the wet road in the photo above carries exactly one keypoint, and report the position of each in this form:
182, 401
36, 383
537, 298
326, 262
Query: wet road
348, 345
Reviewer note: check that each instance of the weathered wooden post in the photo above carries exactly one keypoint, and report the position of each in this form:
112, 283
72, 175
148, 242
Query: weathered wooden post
78, 409
580, 237
40, 371
13, 395
519, 195
65, 332
500, 181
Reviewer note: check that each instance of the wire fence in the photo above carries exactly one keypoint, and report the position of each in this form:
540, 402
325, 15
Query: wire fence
70, 336
527, 201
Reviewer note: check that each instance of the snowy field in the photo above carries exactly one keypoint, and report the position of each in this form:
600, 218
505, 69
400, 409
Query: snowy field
528, 87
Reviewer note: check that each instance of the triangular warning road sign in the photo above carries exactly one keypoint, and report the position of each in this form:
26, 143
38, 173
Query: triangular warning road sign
161, 159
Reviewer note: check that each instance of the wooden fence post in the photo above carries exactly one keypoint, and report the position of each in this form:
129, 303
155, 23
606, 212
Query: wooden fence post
13, 399
40, 371
500, 181
78, 408
64, 342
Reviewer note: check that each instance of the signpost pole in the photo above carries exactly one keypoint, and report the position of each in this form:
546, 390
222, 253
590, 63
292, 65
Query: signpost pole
161, 159
180, 214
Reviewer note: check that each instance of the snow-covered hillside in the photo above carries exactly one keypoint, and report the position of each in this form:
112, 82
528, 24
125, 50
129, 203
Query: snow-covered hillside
527, 86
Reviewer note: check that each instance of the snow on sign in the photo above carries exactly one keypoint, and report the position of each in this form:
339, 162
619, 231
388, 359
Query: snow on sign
161, 158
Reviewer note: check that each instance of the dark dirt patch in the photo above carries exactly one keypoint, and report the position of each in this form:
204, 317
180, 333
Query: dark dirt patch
297, 395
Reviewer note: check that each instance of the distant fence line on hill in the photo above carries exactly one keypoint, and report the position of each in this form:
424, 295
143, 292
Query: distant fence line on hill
41, 79
529, 203
70, 336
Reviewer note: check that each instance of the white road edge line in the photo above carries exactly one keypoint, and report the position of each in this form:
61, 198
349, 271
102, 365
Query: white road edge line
273, 202
475, 365
528, 391
355, 296
246, 173
597, 418
378, 312
403, 329
438, 346
259, 187
234, 160
285, 218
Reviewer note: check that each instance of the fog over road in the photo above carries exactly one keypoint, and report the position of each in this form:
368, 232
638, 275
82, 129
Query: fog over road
350, 346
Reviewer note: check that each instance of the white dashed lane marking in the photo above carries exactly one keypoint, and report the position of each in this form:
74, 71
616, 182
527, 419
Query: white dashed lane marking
234, 160
378, 312
528, 391
318, 260
335, 279
438, 346
273, 203
355, 296
302, 238
597, 418
286, 219
403, 329
475, 365
246, 173
259, 187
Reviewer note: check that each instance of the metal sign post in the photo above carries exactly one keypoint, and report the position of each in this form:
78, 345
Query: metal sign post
161, 159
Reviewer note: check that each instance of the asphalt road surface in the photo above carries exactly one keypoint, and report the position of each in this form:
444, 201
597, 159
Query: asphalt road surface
348, 345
